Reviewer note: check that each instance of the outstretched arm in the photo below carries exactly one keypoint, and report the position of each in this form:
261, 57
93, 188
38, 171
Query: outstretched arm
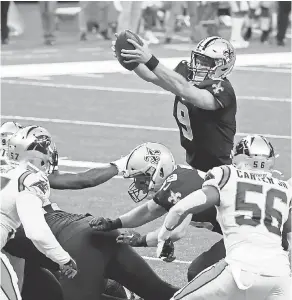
142, 214
143, 72
76, 181
90, 178
136, 217
169, 79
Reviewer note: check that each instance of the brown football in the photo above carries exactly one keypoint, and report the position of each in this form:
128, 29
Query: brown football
122, 43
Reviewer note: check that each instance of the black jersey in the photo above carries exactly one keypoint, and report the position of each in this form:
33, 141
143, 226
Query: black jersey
58, 219
207, 135
179, 184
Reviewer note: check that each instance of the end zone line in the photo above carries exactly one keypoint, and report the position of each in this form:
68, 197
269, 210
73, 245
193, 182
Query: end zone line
126, 126
112, 66
123, 90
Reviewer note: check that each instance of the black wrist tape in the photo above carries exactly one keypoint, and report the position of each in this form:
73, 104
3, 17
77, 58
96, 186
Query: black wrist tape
152, 63
143, 241
117, 223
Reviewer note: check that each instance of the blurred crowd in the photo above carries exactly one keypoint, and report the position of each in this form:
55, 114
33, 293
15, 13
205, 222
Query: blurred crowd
162, 21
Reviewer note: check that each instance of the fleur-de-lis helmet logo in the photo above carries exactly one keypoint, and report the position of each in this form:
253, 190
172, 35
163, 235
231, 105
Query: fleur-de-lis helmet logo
152, 156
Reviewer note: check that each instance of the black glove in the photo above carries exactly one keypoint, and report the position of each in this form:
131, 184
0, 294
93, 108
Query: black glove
69, 269
102, 224
132, 238
166, 253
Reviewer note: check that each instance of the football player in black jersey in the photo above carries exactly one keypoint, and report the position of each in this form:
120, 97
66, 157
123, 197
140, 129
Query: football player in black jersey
97, 253
205, 102
156, 177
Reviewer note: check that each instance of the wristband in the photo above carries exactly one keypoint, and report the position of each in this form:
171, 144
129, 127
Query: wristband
117, 223
152, 63
143, 241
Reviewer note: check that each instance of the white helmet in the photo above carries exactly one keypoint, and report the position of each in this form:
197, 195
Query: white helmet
149, 164
33, 144
7, 129
213, 58
254, 152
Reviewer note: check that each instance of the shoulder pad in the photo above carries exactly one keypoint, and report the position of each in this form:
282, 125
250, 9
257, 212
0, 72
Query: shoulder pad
217, 177
171, 178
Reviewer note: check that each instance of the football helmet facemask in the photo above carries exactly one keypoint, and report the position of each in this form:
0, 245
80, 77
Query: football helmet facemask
7, 129
254, 152
148, 164
34, 144
213, 58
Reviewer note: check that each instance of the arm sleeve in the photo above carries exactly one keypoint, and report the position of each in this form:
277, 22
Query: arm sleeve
29, 208
222, 92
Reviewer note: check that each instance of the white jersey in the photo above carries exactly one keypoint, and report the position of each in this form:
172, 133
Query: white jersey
3, 155
14, 179
253, 209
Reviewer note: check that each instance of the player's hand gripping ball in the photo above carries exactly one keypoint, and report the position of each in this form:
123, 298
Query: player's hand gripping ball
122, 43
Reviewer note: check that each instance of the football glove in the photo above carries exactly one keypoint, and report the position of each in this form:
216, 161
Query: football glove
121, 164
165, 250
102, 224
69, 269
132, 238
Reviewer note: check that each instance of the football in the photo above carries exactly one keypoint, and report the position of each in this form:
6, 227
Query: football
122, 43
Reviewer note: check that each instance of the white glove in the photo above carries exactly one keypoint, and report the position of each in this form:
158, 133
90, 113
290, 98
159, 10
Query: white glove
121, 164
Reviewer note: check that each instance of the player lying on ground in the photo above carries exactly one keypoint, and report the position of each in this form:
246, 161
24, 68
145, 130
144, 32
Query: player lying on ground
23, 193
58, 180
115, 261
156, 177
253, 208
205, 102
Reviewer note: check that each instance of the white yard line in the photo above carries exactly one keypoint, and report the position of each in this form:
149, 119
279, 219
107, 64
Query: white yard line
261, 69
175, 261
126, 126
121, 90
38, 78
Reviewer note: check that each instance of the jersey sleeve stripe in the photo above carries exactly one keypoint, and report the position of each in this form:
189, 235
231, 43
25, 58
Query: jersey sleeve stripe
225, 177
219, 102
21, 179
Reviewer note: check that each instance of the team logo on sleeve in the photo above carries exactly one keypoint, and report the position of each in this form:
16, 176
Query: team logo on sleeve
153, 156
174, 197
217, 88
40, 186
